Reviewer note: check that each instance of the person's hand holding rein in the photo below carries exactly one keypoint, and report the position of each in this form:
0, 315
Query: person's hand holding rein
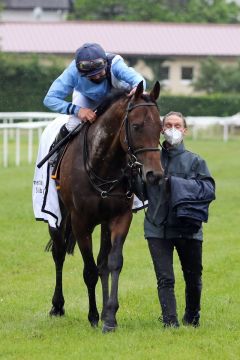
132, 92
86, 114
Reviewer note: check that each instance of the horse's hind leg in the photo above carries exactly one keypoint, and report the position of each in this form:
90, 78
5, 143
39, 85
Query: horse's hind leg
58, 254
102, 263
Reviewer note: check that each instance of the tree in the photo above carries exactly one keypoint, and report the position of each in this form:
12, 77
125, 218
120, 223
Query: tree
213, 11
216, 78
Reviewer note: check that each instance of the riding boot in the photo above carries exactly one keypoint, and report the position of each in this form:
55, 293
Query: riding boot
61, 135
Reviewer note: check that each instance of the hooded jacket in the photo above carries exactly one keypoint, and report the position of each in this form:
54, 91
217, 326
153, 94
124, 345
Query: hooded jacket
177, 208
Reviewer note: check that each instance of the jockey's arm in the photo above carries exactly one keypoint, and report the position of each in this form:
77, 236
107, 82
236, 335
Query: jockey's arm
60, 89
127, 74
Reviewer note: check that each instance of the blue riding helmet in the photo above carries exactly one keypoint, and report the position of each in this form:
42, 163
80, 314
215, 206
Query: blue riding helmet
90, 59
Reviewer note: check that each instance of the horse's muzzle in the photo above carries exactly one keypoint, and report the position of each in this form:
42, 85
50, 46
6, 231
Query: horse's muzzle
153, 177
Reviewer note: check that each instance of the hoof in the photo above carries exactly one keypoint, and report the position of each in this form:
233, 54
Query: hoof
56, 311
93, 318
107, 329
94, 324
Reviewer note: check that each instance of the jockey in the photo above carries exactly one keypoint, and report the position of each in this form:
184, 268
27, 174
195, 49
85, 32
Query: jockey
89, 78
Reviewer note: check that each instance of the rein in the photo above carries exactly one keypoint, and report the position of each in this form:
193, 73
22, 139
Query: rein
103, 186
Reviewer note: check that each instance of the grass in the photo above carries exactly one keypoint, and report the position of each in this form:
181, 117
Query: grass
27, 281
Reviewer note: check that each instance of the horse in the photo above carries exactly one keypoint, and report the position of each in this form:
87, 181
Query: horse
95, 190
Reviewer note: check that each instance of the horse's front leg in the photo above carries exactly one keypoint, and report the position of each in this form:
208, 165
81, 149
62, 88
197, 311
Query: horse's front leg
90, 275
119, 229
58, 254
102, 264
90, 270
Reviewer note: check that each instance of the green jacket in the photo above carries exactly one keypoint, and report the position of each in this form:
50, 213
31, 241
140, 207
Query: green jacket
160, 220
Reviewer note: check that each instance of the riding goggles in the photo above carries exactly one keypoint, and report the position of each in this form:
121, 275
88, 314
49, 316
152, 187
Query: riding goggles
89, 65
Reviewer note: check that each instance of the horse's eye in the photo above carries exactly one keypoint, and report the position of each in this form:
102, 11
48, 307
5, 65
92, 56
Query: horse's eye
136, 127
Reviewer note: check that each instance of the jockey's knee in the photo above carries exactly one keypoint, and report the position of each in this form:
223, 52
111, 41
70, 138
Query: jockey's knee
72, 122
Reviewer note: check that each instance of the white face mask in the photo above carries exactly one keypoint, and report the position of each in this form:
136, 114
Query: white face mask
173, 136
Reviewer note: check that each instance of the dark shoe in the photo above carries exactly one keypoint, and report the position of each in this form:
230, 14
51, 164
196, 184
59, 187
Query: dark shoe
189, 320
171, 321
171, 325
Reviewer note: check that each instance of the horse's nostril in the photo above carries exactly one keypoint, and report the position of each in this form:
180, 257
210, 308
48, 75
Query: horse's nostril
153, 178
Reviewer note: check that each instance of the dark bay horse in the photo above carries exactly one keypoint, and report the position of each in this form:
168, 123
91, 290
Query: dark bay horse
94, 189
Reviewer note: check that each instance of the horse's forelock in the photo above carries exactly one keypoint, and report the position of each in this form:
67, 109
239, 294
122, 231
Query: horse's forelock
147, 98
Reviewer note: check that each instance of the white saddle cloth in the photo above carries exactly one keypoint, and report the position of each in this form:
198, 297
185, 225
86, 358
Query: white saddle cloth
44, 192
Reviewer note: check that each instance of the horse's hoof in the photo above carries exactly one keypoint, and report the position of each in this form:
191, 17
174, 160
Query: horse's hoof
56, 311
107, 329
93, 318
94, 324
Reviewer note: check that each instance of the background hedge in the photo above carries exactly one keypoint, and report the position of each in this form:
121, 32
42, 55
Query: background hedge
207, 105
25, 81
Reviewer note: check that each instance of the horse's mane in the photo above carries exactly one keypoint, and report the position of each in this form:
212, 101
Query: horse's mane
112, 97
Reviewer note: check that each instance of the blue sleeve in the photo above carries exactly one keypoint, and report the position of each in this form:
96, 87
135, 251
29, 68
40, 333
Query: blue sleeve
123, 72
60, 89
191, 190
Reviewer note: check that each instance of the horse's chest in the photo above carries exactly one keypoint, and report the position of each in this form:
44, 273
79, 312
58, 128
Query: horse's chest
105, 208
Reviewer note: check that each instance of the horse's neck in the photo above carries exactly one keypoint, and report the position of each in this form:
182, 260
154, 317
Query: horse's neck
105, 150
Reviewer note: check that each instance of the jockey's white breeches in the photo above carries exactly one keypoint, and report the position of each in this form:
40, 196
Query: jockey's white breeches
82, 101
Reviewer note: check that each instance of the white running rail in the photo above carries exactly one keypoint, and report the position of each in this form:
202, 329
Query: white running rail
11, 123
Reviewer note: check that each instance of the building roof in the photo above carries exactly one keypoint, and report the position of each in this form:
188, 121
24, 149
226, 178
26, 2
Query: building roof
31, 4
126, 38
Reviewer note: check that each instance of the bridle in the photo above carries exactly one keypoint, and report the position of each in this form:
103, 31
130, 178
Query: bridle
103, 186
131, 151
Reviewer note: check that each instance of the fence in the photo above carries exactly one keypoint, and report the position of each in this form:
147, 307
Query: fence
12, 124
198, 123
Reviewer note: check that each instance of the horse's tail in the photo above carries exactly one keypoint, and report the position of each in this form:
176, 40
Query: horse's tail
69, 239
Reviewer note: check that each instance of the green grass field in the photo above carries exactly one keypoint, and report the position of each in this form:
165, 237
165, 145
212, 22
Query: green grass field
27, 280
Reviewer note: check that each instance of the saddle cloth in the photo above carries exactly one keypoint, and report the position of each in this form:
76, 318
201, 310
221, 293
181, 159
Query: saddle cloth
44, 192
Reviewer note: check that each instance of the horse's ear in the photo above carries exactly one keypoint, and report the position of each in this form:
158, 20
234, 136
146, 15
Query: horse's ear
154, 94
139, 90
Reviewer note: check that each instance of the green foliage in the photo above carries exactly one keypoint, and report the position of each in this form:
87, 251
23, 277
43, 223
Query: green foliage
24, 82
207, 105
218, 78
27, 278
2, 5
215, 11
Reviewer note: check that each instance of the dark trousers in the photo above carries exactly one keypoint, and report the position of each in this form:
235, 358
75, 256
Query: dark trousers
190, 255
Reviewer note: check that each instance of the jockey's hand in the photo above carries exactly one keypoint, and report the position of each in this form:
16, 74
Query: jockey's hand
132, 91
86, 114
